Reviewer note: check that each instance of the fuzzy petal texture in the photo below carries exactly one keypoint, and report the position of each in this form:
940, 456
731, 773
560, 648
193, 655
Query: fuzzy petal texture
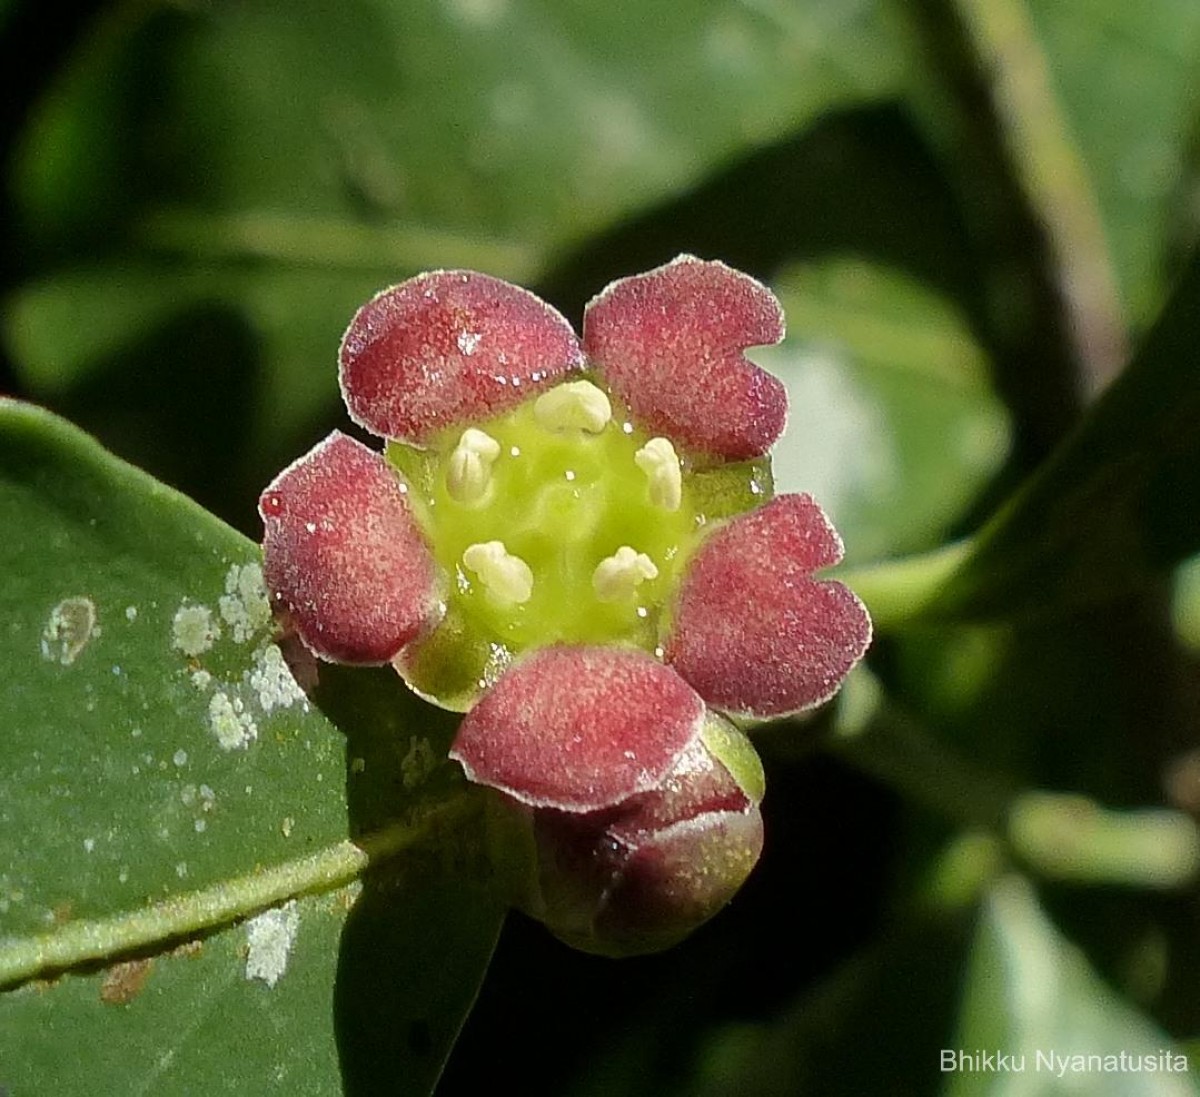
579, 728
753, 632
343, 556
670, 344
448, 348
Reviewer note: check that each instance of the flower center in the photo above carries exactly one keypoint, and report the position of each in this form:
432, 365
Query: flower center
558, 522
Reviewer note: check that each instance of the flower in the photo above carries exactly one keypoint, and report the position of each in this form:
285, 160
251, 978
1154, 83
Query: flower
574, 541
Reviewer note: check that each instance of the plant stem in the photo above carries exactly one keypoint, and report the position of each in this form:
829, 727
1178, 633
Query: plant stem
899, 592
1054, 178
1063, 836
902, 754
325, 242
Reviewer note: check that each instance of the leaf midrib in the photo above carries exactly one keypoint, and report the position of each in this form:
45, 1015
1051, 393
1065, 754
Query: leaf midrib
86, 941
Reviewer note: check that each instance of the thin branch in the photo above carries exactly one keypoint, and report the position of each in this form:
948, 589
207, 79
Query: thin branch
1054, 177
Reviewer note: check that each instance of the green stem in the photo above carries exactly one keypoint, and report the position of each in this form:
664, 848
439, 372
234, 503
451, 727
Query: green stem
1062, 836
899, 592
306, 240
1053, 176
902, 754
87, 941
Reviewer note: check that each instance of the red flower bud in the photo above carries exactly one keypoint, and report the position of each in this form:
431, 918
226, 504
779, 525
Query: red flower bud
635, 861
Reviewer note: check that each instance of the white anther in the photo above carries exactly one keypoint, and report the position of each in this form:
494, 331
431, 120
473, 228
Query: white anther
505, 576
658, 460
616, 576
577, 405
470, 468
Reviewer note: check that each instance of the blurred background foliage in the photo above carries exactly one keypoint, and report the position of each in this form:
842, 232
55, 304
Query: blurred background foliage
974, 211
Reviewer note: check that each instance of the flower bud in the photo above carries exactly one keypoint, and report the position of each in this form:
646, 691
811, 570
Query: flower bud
640, 876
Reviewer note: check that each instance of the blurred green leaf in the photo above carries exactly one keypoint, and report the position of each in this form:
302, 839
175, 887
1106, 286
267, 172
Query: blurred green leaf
77, 335
1185, 603
286, 161
892, 424
415, 115
1127, 81
1032, 995
1116, 504
163, 776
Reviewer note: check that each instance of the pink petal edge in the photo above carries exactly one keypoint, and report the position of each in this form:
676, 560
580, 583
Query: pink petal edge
447, 348
343, 556
670, 344
753, 632
579, 728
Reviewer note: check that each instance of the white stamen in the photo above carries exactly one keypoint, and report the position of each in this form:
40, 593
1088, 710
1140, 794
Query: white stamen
470, 469
577, 405
617, 576
505, 576
658, 460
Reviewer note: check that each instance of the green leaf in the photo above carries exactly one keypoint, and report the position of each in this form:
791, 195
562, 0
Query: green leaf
155, 742
75, 335
164, 778
1032, 995
892, 425
1185, 603
1116, 504
180, 1022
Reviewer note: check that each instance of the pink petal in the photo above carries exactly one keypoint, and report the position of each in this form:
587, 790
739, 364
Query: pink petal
447, 348
670, 345
343, 556
753, 632
579, 729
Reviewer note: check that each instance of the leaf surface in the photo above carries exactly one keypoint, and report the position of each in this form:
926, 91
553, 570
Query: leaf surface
164, 779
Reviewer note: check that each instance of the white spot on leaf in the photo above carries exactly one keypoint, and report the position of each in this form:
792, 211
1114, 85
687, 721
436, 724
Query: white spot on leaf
269, 939
193, 630
234, 728
244, 606
272, 680
69, 628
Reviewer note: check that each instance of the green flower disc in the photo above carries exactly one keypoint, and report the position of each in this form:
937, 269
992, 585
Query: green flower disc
562, 501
